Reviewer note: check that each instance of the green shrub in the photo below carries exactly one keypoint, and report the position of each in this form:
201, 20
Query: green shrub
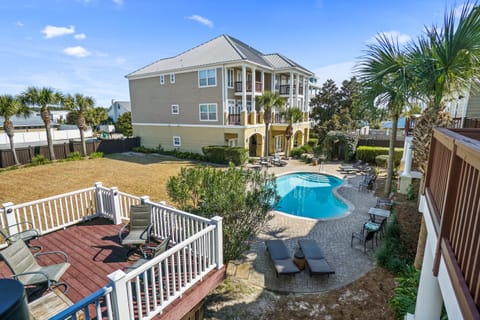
143, 149
406, 292
39, 160
96, 155
369, 154
74, 156
296, 152
330, 147
312, 142
381, 160
225, 154
237, 155
391, 254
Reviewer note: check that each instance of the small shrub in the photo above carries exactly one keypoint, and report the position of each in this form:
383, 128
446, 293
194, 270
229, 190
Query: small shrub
312, 142
296, 152
391, 254
143, 149
74, 156
39, 160
381, 160
96, 155
369, 154
406, 292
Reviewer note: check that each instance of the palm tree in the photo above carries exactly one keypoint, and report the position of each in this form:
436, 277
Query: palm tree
81, 105
446, 61
269, 101
10, 106
292, 115
43, 97
384, 75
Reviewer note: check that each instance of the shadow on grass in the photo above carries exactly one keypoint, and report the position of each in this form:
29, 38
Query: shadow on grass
144, 158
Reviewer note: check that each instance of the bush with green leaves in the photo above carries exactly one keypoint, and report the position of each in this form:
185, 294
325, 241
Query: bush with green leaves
74, 156
124, 124
95, 155
39, 160
225, 154
143, 149
297, 152
242, 198
312, 142
369, 153
391, 254
381, 160
406, 292
347, 141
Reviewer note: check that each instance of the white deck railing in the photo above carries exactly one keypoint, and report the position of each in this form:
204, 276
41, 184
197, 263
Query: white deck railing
148, 290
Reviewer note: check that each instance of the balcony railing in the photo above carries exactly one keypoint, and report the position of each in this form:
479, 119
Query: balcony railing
452, 191
234, 119
239, 86
285, 89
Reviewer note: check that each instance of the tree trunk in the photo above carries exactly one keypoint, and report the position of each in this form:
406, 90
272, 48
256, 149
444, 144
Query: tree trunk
422, 240
46, 120
266, 139
8, 126
391, 155
82, 126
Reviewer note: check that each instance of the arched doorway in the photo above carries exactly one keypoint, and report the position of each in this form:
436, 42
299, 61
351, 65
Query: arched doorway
255, 145
298, 139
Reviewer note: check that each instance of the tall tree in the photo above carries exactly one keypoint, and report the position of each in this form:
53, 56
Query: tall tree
43, 97
96, 116
326, 103
269, 102
124, 124
292, 115
81, 105
11, 106
385, 78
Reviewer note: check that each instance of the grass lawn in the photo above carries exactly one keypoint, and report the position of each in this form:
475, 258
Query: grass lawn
138, 174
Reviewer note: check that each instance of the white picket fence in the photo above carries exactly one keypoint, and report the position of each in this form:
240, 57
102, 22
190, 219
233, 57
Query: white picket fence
146, 291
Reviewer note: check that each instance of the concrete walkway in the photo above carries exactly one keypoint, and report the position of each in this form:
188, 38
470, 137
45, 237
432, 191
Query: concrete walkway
333, 236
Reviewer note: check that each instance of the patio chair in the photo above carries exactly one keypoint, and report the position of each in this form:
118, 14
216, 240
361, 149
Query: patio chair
158, 250
362, 237
377, 226
385, 203
26, 269
348, 166
314, 257
29, 233
280, 256
139, 229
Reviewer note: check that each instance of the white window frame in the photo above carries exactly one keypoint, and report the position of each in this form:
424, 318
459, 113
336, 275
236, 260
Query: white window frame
208, 111
232, 142
231, 106
175, 109
278, 143
230, 81
162, 79
172, 78
207, 78
177, 141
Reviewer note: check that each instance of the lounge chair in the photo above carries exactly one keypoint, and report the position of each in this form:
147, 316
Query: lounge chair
314, 257
281, 258
158, 250
348, 166
27, 234
25, 268
139, 229
362, 237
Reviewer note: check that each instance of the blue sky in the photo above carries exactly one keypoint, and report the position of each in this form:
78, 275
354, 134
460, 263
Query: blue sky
88, 46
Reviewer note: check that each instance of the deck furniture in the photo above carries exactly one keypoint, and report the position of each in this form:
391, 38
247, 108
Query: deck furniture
26, 235
376, 213
25, 268
314, 258
385, 203
364, 238
158, 250
281, 258
139, 229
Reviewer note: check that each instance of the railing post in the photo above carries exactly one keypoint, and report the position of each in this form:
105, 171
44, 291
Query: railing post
119, 295
144, 199
116, 208
98, 199
11, 219
218, 240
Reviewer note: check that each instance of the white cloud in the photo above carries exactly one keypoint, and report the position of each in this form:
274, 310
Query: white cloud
52, 31
201, 20
19, 24
337, 72
78, 51
396, 35
80, 36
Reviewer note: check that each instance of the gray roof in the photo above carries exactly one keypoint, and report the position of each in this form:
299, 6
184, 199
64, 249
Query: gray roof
280, 62
32, 121
222, 49
124, 104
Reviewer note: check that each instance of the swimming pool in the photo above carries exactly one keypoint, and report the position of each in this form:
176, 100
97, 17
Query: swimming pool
307, 194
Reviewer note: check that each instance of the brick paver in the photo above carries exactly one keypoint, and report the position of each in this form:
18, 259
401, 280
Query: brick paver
332, 235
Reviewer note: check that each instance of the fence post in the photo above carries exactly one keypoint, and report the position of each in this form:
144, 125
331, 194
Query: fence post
144, 199
119, 295
99, 199
116, 208
218, 240
11, 219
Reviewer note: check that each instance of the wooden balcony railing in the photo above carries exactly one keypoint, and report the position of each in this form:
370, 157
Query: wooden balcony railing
471, 123
258, 86
285, 89
452, 191
234, 119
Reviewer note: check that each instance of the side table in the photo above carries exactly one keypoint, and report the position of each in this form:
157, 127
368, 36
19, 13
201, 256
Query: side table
299, 259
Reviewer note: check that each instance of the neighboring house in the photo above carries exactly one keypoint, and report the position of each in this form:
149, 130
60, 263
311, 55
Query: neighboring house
59, 116
118, 108
206, 96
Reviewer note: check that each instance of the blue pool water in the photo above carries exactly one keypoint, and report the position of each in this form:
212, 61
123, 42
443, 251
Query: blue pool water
310, 195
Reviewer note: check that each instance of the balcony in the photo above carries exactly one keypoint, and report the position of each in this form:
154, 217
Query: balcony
284, 90
85, 224
239, 86
452, 196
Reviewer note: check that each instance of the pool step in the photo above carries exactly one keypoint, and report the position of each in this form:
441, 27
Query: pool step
315, 178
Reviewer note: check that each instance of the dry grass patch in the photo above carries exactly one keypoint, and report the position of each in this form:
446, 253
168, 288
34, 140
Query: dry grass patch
134, 173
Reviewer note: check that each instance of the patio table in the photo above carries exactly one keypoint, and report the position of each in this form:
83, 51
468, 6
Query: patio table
377, 212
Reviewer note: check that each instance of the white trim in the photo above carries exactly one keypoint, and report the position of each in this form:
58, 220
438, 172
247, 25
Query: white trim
179, 144
186, 125
230, 70
208, 111
207, 85
178, 108
172, 78
162, 79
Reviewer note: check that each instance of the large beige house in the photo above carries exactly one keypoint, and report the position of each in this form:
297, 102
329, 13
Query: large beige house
206, 96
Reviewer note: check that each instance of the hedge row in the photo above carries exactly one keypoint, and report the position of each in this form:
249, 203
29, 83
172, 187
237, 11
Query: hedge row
225, 154
369, 154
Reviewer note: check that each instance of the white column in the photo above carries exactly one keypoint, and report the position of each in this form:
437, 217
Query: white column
290, 99
273, 82
254, 79
263, 81
429, 297
218, 241
120, 296
244, 88
297, 89
11, 219
225, 94
117, 209
408, 156
306, 95
99, 198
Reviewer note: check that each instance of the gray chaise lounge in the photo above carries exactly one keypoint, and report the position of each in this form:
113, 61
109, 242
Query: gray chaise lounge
314, 257
281, 258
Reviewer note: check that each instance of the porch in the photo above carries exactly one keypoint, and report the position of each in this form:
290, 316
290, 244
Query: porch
85, 224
